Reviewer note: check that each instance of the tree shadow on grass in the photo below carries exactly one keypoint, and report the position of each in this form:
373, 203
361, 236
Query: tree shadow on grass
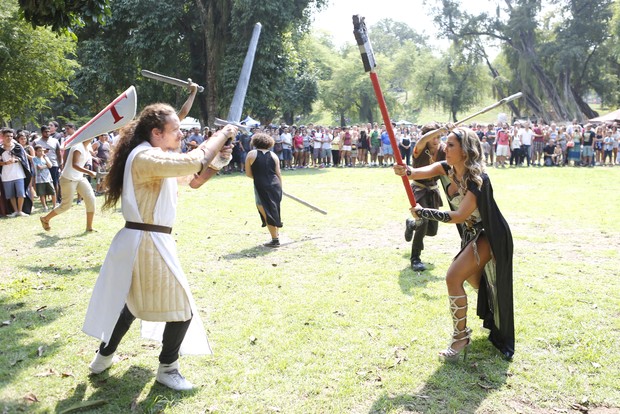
17, 350
454, 387
112, 394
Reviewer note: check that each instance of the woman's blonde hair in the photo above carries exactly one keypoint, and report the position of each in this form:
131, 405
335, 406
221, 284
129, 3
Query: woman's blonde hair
474, 158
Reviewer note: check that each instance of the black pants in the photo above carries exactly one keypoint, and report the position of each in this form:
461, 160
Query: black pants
174, 332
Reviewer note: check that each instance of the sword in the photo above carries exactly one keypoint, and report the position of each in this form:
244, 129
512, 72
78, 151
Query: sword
305, 203
168, 79
236, 107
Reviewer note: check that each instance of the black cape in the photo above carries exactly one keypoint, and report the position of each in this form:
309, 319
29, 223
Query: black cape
495, 299
268, 187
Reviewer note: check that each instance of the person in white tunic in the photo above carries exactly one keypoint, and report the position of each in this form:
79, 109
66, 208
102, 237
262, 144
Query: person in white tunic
141, 276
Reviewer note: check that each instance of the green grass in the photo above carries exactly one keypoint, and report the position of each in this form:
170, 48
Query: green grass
334, 321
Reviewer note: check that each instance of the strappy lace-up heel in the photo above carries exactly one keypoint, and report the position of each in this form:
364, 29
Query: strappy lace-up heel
459, 334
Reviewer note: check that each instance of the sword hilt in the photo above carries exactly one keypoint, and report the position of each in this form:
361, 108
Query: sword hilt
243, 128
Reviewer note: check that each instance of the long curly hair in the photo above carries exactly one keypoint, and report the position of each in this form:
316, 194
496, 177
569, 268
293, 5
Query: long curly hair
474, 159
130, 136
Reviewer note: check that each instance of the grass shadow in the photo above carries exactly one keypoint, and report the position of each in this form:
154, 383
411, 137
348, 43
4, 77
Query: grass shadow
410, 280
17, 348
46, 240
261, 250
112, 394
454, 387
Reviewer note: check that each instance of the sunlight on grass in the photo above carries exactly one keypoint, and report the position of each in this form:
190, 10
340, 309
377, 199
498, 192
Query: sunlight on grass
335, 321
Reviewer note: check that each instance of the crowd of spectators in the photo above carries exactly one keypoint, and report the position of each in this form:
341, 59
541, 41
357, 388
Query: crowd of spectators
39, 175
522, 144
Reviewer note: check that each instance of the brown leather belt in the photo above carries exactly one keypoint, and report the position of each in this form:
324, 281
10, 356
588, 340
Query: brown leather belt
147, 227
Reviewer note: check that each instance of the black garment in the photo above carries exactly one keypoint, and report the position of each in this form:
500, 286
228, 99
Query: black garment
173, 336
364, 142
495, 297
426, 194
268, 187
498, 289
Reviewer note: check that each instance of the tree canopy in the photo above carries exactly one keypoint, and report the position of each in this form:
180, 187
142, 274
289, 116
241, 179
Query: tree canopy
557, 53
35, 66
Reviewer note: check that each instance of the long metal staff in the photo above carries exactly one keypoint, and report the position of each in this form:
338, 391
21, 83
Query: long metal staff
368, 57
305, 203
480, 112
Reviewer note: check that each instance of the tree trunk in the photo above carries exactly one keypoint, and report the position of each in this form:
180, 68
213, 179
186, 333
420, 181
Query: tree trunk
214, 17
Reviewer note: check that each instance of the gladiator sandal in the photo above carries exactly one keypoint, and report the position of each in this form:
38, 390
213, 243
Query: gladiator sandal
450, 354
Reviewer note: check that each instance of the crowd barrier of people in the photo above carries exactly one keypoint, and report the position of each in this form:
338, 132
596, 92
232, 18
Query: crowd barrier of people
522, 144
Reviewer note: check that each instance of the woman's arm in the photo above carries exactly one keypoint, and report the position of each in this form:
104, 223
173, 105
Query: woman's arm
75, 160
193, 88
277, 161
249, 160
428, 171
467, 206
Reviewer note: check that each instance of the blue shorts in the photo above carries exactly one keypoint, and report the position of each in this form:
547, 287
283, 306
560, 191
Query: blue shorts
587, 151
14, 189
387, 149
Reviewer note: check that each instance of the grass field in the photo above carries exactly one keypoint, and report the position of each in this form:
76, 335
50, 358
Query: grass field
334, 321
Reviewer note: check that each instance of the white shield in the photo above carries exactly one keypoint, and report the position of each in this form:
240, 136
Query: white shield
116, 115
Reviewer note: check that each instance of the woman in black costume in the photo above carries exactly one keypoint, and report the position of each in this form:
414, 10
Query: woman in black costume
485, 259
264, 167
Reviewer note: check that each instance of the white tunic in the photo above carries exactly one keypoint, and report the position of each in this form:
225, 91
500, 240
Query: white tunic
115, 278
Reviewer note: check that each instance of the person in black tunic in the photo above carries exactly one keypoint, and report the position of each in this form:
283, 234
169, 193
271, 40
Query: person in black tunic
426, 191
485, 258
263, 166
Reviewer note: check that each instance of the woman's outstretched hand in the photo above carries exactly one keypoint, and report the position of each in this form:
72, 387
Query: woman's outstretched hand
400, 170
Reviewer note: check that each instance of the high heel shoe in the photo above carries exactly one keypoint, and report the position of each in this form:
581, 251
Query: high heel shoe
459, 316
452, 355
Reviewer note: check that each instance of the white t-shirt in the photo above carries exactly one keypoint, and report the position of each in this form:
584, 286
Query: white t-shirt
526, 135
318, 140
13, 171
51, 144
327, 141
71, 173
287, 140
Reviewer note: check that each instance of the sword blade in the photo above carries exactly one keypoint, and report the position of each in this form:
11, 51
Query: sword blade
167, 79
236, 107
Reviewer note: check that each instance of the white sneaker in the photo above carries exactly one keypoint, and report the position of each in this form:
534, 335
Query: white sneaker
13, 214
100, 363
21, 213
169, 375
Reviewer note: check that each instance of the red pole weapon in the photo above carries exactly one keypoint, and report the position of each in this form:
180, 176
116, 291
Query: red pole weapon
368, 57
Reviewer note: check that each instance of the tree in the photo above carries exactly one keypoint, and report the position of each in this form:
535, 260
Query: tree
62, 15
205, 39
34, 67
389, 36
537, 55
